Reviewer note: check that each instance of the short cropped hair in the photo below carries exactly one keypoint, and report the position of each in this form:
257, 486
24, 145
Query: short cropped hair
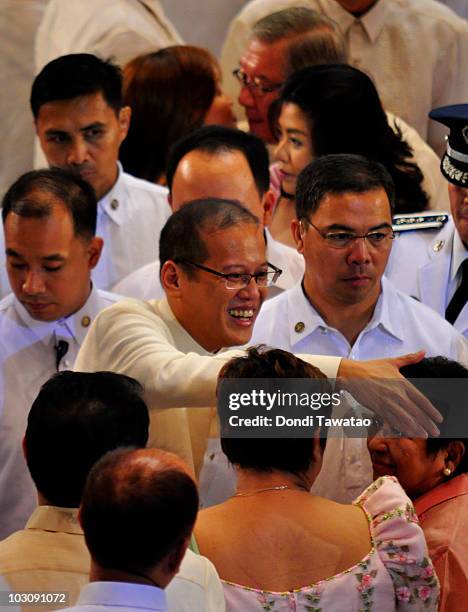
439, 367
287, 23
216, 139
75, 75
181, 239
338, 174
322, 43
268, 454
315, 38
28, 195
76, 418
132, 515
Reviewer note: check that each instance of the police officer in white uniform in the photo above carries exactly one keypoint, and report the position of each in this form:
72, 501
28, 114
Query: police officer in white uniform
432, 265
49, 219
345, 306
76, 102
220, 162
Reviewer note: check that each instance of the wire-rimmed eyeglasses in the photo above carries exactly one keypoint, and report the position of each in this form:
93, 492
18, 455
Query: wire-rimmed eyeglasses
239, 280
255, 83
341, 239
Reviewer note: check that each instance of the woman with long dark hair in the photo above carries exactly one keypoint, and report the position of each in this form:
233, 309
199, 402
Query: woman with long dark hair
335, 108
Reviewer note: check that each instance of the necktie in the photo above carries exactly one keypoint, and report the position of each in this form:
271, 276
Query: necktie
459, 297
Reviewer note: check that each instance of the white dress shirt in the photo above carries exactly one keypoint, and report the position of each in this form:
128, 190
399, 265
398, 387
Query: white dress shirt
27, 360
111, 29
50, 554
399, 325
426, 264
130, 218
144, 283
144, 340
18, 24
415, 50
122, 596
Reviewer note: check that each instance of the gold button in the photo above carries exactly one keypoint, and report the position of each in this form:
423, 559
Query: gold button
438, 245
114, 204
85, 321
299, 327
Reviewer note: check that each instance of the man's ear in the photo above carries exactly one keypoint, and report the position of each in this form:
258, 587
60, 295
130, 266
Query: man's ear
170, 277
124, 118
298, 230
176, 555
268, 202
94, 251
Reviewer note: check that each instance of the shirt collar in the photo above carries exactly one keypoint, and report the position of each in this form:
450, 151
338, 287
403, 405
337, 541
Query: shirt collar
123, 595
275, 252
180, 334
75, 326
301, 311
113, 202
373, 21
459, 254
53, 518
443, 492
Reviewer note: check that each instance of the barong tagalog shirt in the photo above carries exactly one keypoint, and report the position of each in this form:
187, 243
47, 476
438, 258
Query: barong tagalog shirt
415, 50
144, 340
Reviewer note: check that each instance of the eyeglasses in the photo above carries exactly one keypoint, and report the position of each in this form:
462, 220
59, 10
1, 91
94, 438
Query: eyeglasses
255, 84
340, 240
265, 278
382, 429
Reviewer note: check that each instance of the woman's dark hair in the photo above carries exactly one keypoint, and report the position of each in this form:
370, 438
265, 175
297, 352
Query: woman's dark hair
170, 92
292, 455
440, 368
345, 115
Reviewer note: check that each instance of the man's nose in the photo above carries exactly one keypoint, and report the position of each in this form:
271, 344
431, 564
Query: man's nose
359, 251
77, 153
246, 97
251, 291
33, 283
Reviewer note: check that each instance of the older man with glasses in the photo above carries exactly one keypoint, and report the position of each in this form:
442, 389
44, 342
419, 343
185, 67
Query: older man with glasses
345, 306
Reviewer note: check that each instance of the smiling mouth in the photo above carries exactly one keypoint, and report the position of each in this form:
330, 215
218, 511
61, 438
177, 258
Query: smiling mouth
242, 314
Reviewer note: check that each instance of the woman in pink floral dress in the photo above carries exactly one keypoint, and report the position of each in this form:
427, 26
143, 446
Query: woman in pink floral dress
278, 548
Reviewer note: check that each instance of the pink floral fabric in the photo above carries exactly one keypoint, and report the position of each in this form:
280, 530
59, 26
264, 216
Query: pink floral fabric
397, 574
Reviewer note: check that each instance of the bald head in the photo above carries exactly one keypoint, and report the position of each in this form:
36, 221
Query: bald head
222, 174
138, 509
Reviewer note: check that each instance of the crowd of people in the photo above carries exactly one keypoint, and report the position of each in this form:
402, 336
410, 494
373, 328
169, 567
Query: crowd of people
296, 213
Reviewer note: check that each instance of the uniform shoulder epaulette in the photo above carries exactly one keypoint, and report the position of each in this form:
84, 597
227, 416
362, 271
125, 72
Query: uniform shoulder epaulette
419, 221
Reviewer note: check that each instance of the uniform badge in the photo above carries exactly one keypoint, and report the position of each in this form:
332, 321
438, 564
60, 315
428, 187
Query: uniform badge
438, 245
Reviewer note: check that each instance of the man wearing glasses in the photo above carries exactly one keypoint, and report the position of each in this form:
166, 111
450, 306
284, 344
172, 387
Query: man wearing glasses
345, 306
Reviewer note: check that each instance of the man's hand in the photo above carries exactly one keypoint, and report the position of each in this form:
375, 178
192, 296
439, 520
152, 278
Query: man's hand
379, 386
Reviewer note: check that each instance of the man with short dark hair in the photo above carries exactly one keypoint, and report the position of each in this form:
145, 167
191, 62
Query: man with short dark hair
49, 222
345, 305
137, 513
414, 50
215, 276
73, 422
80, 120
220, 162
